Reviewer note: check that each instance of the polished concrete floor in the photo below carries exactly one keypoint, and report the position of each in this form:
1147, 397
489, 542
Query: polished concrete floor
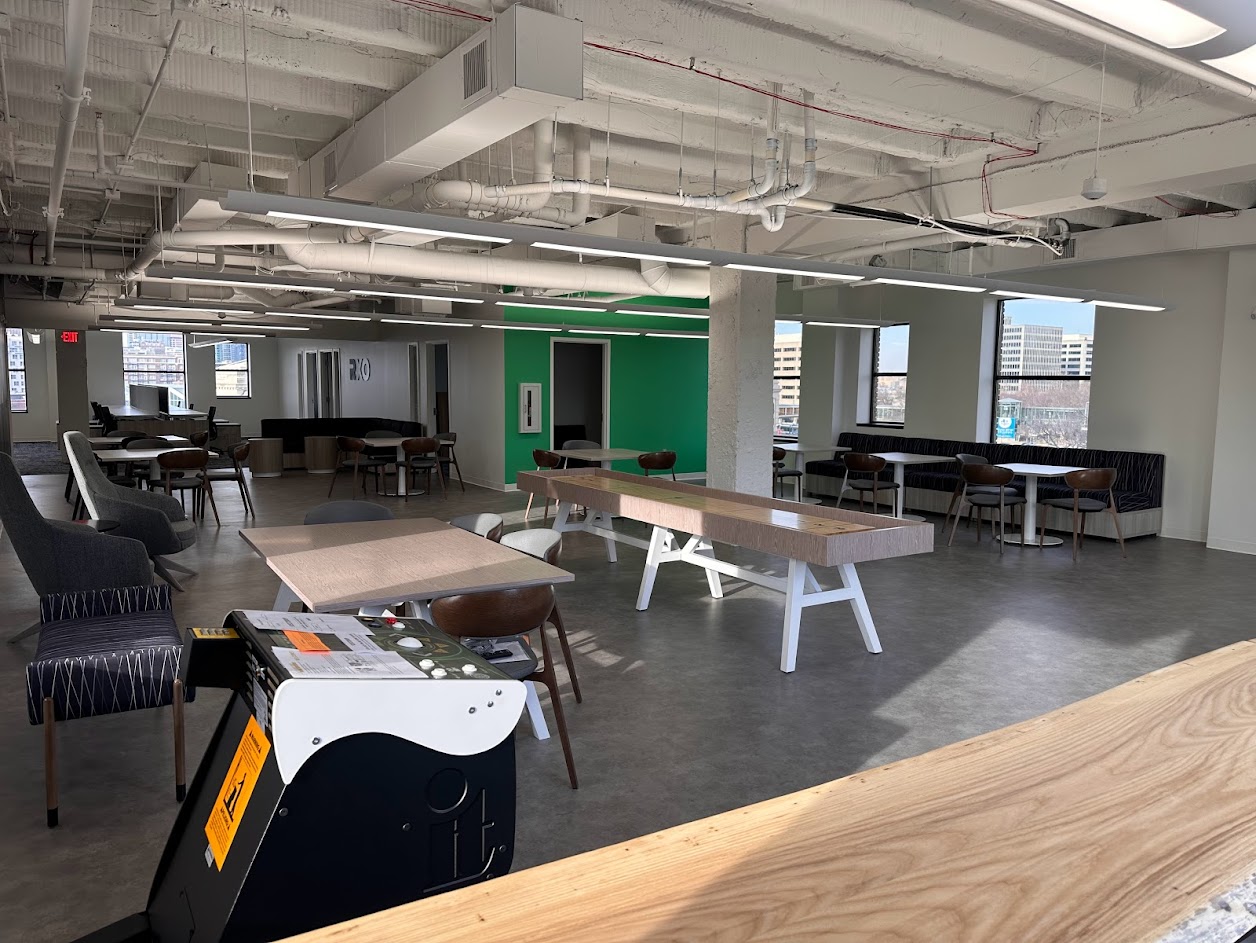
685, 712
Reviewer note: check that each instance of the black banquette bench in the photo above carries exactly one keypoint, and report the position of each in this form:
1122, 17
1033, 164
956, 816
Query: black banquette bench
1139, 488
294, 431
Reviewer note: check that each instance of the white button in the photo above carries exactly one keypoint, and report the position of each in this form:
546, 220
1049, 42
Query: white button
438, 672
469, 669
427, 664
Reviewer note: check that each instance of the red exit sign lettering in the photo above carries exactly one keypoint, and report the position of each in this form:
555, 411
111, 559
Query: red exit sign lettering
69, 337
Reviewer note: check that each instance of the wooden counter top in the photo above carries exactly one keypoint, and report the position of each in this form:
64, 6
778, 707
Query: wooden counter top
1108, 821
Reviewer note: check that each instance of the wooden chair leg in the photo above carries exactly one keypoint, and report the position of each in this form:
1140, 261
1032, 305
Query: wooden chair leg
248, 495
528, 509
952, 507
440, 476
954, 525
545, 516
547, 677
207, 487
180, 768
557, 619
334, 475
50, 761
1117, 524
1075, 517
453, 459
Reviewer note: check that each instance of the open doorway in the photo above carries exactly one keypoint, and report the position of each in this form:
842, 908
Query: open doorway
318, 381
429, 385
579, 391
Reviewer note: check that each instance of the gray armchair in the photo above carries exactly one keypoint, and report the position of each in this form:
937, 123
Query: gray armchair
61, 557
156, 520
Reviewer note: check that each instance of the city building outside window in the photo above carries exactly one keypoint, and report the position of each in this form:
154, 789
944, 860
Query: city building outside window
157, 358
786, 379
889, 375
16, 346
1042, 373
231, 371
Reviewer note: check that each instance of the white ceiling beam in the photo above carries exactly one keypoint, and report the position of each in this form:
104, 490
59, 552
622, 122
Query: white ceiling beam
269, 149
1235, 196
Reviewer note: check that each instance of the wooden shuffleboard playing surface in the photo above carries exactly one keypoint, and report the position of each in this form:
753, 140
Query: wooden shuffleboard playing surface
1119, 819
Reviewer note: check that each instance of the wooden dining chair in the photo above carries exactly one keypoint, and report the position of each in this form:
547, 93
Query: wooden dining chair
986, 486
547, 545
239, 455
351, 457
865, 463
1087, 479
486, 525
511, 614
421, 456
448, 455
780, 472
199, 483
545, 461
658, 461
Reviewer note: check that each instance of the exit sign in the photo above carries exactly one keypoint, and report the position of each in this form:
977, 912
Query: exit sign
69, 337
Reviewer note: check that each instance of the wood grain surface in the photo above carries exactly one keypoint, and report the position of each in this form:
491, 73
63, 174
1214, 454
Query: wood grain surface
375, 563
820, 535
1108, 821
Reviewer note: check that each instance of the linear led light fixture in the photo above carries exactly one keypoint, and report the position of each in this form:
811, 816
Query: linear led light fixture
524, 304
428, 323
392, 227
1032, 295
793, 271
138, 307
521, 327
618, 254
699, 336
660, 314
238, 283
387, 293
942, 285
1163, 23
864, 326
1126, 304
572, 330
319, 315
196, 324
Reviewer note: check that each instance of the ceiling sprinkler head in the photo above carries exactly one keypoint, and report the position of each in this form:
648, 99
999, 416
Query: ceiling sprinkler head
1095, 188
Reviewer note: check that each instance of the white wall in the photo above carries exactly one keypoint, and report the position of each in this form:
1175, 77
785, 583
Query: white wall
104, 368
476, 389
39, 422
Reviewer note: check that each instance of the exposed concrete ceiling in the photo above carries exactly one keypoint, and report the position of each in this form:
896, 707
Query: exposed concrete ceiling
967, 69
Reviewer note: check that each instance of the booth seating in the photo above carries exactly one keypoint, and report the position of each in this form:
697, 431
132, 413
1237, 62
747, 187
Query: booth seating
1139, 487
293, 432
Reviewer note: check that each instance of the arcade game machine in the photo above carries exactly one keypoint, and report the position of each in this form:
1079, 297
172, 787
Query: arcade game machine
361, 763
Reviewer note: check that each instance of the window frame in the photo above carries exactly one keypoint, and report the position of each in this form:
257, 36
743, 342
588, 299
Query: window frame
999, 377
781, 437
874, 375
247, 370
21, 339
126, 374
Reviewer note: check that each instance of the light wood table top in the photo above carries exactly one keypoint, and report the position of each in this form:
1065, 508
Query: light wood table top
819, 535
1108, 821
375, 563
104, 443
599, 455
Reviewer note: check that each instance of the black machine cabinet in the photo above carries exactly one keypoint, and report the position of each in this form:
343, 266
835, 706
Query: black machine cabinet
326, 794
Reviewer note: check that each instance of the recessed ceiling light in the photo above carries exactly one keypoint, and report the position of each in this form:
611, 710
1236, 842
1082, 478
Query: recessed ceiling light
239, 283
615, 254
317, 314
391, 227
520, 327
698, 336
1032, 295
387, 293
1159, 21
572, 330
792, 271
428, 323
661, 314
942, 285
546, 307
1126, 304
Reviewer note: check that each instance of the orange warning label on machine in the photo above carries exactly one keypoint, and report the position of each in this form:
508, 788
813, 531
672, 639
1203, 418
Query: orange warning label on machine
306, 641
237, 788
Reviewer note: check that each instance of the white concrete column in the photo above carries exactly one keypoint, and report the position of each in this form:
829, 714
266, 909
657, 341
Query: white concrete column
739, 381
72, 405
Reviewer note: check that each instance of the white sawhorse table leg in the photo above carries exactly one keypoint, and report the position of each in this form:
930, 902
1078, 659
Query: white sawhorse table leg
540, 729
663, 549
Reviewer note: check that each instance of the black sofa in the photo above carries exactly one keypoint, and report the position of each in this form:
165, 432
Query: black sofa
294, 431
1139, 488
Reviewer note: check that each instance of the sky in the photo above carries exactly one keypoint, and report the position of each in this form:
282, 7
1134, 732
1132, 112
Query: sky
1074, 318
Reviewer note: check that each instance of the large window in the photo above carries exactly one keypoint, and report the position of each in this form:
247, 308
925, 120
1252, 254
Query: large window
156, 358
786, 378
889, 375
1042, 375
17, 368
231, 371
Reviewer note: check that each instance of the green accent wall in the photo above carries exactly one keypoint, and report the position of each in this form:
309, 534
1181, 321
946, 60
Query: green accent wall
658, 385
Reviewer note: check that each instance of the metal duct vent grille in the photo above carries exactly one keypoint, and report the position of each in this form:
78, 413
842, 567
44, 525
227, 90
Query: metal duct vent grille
1067, 251
475, 70
329, 170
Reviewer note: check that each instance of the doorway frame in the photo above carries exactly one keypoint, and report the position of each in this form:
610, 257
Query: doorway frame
425, 357
606, 385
